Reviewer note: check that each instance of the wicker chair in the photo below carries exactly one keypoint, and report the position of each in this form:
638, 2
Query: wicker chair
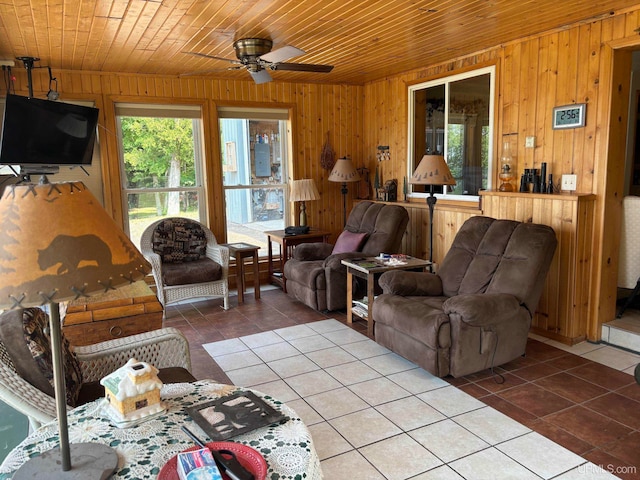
164, 348
187, 260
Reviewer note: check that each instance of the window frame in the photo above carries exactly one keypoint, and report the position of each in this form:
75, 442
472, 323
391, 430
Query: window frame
279, 113
160, 110
446, 81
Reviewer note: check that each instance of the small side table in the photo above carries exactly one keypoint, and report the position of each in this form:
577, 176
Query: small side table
370, 269
287, 243
240, 251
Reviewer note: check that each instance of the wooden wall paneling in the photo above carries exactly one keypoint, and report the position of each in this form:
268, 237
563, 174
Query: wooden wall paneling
599, 291
610, 200
631, 22
566, 257
561, 311
582, 161
548, 311
527, 117
547, 56
584, 266
566, 94
509, 121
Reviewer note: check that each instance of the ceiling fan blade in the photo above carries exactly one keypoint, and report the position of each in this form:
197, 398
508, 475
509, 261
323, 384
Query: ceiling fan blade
203, 72
261, 76
213, 57
281, 54
302, 67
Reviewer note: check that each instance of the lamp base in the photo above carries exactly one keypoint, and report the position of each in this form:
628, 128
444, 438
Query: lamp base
88, 461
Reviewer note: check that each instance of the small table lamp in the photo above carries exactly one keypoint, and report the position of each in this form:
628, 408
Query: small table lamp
302, 191
344, 171
432, 170
59, 244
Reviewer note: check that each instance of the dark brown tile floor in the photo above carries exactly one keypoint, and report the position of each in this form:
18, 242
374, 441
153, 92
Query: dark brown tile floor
589, 408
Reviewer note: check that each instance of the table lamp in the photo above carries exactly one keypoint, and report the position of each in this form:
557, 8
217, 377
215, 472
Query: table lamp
432, 170
302, 191
59, 244
344, 172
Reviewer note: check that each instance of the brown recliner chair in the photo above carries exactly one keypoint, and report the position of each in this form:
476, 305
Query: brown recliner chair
475, 313
315, 274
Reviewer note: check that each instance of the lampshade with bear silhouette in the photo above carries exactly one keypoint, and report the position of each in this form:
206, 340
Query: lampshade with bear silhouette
57, 243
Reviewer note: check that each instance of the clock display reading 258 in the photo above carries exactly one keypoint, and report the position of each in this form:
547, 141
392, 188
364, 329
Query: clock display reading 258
569, 116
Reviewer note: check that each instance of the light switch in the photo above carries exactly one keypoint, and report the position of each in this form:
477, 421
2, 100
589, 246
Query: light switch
530, 142
569, 183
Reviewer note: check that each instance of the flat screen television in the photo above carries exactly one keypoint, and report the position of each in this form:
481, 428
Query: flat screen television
45, 132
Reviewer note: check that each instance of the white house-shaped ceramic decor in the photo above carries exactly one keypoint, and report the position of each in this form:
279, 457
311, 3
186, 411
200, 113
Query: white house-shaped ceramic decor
132, 392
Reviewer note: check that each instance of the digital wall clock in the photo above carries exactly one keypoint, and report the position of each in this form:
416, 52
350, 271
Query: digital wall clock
569, 116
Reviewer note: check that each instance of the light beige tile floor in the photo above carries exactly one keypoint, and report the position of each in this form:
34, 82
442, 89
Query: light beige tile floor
374, 415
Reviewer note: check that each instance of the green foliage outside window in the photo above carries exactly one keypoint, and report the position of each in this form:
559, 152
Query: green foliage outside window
158, 152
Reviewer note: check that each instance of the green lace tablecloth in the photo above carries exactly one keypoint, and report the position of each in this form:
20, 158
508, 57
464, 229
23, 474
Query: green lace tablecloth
144, 449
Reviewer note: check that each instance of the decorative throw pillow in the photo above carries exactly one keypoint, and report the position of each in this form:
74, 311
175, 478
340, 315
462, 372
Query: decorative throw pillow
25, 334
349, 242
179, 240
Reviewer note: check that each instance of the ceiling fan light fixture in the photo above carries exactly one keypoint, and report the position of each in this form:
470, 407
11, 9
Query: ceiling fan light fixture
252, 47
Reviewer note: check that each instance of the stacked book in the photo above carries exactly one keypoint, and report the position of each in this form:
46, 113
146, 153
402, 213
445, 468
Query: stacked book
361, 307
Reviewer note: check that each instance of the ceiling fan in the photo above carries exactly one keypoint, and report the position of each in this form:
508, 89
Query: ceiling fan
255, 55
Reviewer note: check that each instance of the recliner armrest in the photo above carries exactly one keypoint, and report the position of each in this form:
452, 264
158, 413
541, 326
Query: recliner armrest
483, 309
334, 262
401, 282
312, 251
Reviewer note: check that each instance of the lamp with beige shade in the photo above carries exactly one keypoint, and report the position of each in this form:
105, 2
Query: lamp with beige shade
344, 172
302, 191
432, 170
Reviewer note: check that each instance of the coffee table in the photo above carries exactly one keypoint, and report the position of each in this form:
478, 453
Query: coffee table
370, 269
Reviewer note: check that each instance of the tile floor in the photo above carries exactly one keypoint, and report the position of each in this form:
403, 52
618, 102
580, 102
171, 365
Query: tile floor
582, 398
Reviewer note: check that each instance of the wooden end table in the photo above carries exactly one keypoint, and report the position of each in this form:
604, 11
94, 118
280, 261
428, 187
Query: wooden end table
370, 269
287, 244
240, 251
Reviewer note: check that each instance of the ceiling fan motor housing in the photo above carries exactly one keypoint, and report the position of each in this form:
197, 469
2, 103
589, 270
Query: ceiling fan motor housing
248, 48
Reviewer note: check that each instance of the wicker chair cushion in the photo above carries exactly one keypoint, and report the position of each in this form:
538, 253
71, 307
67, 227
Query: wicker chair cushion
178, 240
25, 335
199, 271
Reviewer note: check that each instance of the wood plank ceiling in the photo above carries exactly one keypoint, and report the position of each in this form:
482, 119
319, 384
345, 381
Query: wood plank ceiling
364, 39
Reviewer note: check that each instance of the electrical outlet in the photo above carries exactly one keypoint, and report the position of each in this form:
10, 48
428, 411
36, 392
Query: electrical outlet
530, 142
569, 183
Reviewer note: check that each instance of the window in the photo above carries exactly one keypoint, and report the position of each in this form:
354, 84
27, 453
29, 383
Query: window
161, 159
254, 151
454, 117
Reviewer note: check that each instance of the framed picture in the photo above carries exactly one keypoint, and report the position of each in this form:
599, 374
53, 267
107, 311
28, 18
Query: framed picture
234, 415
